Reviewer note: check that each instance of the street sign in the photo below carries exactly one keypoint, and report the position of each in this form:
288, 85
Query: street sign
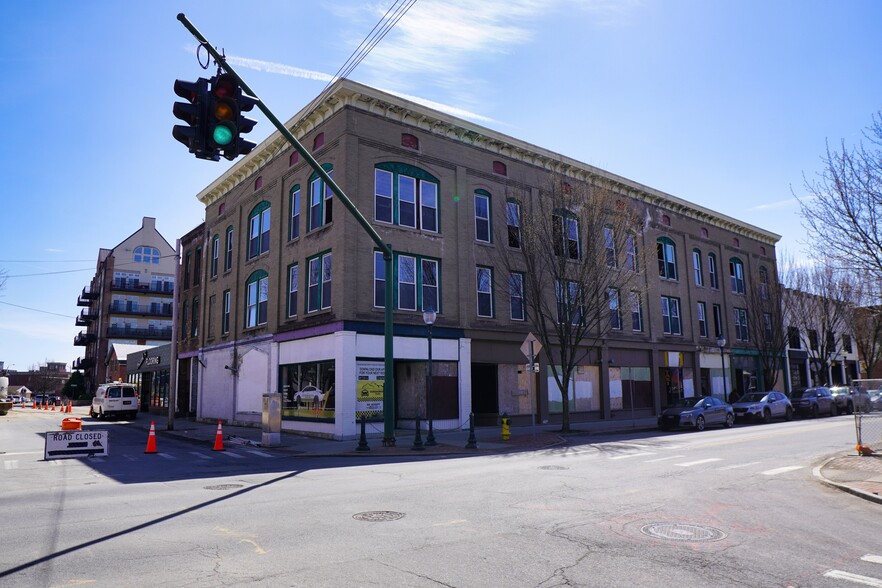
525, 347
65, 444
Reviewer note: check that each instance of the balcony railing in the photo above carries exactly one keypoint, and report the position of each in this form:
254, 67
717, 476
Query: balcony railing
86, 317
139, 333
137, 286
83, 338
84, 363
86, 297
151, 309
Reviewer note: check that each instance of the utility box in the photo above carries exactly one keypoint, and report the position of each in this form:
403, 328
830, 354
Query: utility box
272, 420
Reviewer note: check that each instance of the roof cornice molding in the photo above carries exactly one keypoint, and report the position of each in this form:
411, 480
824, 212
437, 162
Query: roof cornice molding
346, 93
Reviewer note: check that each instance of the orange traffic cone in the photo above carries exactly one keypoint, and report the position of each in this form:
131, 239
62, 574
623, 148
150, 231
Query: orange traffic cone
53, 406
219, 438
151, 440
70, 406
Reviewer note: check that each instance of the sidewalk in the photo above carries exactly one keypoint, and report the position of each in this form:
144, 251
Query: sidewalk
855, 474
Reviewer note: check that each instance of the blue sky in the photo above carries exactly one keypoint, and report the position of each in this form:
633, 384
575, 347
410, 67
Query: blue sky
723, 103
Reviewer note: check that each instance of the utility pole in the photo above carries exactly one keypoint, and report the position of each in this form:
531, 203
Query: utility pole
389, 366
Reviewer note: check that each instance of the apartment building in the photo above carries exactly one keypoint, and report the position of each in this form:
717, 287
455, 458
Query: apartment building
128, 300
295, 284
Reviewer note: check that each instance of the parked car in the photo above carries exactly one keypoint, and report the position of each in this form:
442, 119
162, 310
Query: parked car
763, 406
814, 402
848, 399
875, 399
114, 398
16, 400
697, 413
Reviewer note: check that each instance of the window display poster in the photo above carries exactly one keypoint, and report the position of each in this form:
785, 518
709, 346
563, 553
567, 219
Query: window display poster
369, 388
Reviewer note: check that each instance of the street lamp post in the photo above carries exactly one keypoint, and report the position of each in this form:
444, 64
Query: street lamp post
429, 319
721, 342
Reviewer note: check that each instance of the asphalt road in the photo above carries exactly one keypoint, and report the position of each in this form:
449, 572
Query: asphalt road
736, 507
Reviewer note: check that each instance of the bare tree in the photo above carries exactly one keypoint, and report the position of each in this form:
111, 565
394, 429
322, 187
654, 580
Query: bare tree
765, 314
843, 212
569, 252
819, 300
867, 323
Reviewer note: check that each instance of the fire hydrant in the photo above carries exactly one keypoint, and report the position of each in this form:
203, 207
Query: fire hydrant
506, 428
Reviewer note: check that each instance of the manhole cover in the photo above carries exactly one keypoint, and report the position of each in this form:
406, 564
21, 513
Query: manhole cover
553, 467
224, 487
377, 516
682, 532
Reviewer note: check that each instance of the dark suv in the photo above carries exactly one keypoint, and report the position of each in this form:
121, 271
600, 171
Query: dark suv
849, 399
814, 402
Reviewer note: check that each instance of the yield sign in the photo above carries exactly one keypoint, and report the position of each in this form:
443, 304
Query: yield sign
531, 341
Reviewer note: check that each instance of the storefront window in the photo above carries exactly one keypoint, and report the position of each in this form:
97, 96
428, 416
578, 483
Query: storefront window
307, 390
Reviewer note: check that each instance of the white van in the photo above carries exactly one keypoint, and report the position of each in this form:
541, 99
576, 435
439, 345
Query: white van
115, 398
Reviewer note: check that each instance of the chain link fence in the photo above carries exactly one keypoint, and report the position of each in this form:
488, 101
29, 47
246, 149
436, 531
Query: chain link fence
868, 422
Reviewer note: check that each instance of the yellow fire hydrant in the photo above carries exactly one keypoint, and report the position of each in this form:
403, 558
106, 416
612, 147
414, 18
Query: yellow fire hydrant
506, 428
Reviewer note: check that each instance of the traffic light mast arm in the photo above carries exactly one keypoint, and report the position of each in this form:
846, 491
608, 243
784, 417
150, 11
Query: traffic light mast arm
389, 367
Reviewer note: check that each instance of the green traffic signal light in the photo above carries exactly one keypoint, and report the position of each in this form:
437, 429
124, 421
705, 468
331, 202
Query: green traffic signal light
222, 135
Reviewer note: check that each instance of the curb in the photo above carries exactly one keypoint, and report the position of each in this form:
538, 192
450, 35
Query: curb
843, 487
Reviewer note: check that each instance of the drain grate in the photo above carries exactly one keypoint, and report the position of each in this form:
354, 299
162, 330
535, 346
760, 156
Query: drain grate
224, 487
378, 516
553, 467
682, 532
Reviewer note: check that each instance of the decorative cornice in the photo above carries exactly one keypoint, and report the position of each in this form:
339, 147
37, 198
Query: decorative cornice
346, 93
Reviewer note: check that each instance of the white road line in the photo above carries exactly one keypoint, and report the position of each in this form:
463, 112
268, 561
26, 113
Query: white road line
783, 470
663, 458
639, 454
260, 453
699, 462
167, 456
739, 465
873, 558
865, 580
637, 445
130, 457
10, 464
199, 455
231, 454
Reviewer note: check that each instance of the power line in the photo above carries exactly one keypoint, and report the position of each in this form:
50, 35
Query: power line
67, 316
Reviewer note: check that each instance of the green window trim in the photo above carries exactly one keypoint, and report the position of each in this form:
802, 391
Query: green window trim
319, 214
422, 201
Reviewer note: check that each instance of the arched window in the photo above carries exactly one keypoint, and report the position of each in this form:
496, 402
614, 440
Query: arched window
500, 168
215, 254
667, 258
407, 196
146, 254
565, 234
409, 141
483, 230
256, 298
736, 275
712, 271
259, 229
228, 250
764, 282
294, 221
318, 141
321, 201
696, 267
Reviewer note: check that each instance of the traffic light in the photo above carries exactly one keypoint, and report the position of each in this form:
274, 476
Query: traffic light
226, 102
193, 112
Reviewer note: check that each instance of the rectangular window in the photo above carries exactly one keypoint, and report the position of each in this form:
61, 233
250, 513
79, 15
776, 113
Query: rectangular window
696, 267
225, 316
516, 296
197, 266
631, 253
294, 221
256, 302
185, 318
318, 288
718, 321
429, 276
429, 206
228, 252
383, 195
293, 286
615, 313
636, 313
215, 254
407, 201
712, 271
484, 288
702, 319
610, 244
321, 210
379, 280
407, 283
741, 332
212, 304
187, 259
569, 302
671, 316
813, 339
667, 258
767, 326
736, 274
566, 236
513, 219
482, 218
846, 343
793, 338
194, 324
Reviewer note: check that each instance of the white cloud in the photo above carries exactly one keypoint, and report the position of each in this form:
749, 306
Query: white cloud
781, 203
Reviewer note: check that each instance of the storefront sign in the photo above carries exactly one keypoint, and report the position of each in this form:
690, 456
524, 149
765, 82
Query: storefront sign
369, 388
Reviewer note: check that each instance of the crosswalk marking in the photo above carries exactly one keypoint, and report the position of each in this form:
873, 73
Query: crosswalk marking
167, 456
663, 458
739, 465
199, 455
638, 454
236, 455
785, 469
856, 578
260, 453
699, 462
873, 558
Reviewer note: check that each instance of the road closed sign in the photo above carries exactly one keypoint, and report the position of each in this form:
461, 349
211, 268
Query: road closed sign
64, 444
